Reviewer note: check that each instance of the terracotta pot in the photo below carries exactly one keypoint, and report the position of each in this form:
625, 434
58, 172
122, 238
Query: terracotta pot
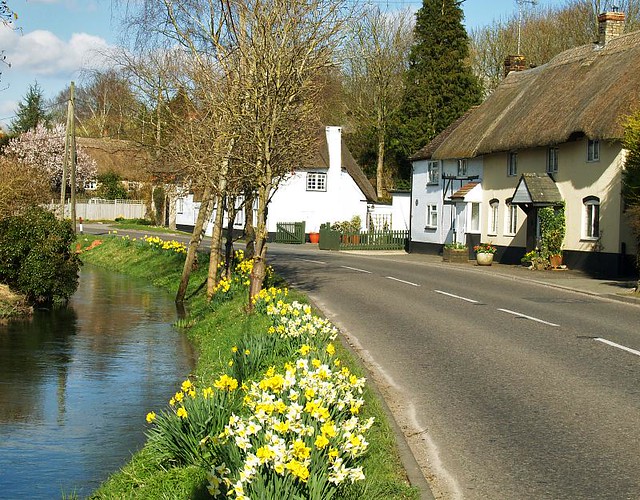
555, 261
314, 237
484, 259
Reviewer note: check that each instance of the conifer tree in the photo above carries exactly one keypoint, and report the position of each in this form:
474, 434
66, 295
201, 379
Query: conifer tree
440, 85
31, 111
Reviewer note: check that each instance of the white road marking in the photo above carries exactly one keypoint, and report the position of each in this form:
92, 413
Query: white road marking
613, 344
520, 315
314, 261
456, 296
356, 269
402, 281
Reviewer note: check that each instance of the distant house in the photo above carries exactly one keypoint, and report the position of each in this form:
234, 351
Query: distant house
447, 197
553, 134
331, 188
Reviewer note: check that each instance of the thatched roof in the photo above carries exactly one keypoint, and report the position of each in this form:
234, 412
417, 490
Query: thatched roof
427, 151
537, 190
321, 160
586, 90
125, 158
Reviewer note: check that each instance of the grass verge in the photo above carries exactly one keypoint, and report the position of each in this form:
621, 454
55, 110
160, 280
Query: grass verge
214, 329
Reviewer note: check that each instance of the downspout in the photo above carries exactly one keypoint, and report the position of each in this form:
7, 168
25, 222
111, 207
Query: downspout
410, 210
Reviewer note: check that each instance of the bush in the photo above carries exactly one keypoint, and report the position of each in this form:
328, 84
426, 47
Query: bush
36, 258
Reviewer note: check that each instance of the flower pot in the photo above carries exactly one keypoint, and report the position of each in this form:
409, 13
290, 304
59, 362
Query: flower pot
555, 261
484, 259
314, 237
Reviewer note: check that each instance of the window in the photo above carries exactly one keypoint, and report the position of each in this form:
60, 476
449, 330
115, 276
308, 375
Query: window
180, 205
512, 218
474, 227
591, 217
433, 172
512, 167
593, 150
316, 181
91, 184
552, 161
432, 216
493, 217
462, 167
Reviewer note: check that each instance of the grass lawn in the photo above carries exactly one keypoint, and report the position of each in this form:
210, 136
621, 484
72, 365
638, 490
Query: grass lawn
215, 329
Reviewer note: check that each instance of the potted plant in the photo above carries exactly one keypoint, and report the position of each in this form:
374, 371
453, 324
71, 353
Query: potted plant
314, 237
455, 252
536, 259
484, 253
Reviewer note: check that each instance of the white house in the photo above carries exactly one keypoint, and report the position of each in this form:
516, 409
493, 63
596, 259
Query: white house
332, 188
446, 197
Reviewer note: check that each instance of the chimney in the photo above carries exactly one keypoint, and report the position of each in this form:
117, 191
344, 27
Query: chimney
610, 26
514, 63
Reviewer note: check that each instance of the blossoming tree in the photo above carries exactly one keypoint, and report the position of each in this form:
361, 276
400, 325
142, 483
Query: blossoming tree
43, 149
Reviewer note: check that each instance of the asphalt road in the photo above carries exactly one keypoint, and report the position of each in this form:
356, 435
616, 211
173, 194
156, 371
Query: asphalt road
504, 389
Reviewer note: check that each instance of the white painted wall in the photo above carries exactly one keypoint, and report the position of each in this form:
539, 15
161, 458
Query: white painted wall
424, 194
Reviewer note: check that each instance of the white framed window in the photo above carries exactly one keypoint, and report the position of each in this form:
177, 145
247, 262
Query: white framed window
462, 167
433, 172
180, 205
593, 150
512, 164
552, 160
591, 223
474, 223
90, 185
493, 217
316, 181
511, 218
432, 217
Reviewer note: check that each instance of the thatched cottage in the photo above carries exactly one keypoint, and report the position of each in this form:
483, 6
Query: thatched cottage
553, 134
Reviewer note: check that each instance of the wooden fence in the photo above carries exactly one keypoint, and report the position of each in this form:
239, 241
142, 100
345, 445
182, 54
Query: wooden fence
290, 232
99, 209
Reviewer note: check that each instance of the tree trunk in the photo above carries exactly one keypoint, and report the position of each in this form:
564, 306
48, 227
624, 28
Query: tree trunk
380, 166
196, 237
249, 230
228, 247
214, 255
258, 271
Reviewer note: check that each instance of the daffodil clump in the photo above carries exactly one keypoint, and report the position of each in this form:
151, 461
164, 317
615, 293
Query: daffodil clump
294, 320
301, 438
172, 245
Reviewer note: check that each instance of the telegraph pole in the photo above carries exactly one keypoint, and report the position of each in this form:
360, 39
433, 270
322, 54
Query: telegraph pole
65, 163
73, 154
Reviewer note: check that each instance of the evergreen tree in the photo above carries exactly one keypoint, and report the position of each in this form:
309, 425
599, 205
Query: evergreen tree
31, 111
440, 85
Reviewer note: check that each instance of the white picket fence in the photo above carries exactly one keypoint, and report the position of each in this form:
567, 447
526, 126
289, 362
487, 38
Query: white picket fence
100, 209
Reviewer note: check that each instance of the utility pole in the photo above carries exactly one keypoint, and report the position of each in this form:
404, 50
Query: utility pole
74, 156
69, 154
520, 4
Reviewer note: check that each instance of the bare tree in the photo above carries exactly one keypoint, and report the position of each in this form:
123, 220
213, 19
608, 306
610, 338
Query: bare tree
375, 62
545, 32
21, 185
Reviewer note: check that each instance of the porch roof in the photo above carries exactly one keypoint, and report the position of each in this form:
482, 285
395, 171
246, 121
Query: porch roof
537, 190
461, 193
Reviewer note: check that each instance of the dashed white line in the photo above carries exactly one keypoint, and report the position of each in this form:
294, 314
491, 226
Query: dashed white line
402, 281
520, 315
613, 344
456, 296
314, 261
356, 269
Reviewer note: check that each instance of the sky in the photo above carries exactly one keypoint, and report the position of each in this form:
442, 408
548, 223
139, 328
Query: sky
53, 40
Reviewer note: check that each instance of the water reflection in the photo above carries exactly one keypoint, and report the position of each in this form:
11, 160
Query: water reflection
75, 385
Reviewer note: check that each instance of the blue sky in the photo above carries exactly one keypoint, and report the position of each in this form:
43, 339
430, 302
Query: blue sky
57, 38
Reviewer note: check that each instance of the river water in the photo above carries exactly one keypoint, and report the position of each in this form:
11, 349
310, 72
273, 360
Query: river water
76, 384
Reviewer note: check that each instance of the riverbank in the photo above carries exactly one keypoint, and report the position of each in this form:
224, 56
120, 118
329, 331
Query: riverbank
216, 330
12, 305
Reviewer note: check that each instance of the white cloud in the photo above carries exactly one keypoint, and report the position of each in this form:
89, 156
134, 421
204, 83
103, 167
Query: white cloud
42, 53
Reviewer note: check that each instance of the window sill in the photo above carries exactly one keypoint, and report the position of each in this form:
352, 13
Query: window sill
430, 228
492, 234
589, 239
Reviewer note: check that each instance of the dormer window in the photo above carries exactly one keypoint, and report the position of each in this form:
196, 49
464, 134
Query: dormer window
593, 150
316, 181
433, 172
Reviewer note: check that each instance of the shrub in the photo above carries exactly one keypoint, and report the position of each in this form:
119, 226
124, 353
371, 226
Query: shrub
36, 257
